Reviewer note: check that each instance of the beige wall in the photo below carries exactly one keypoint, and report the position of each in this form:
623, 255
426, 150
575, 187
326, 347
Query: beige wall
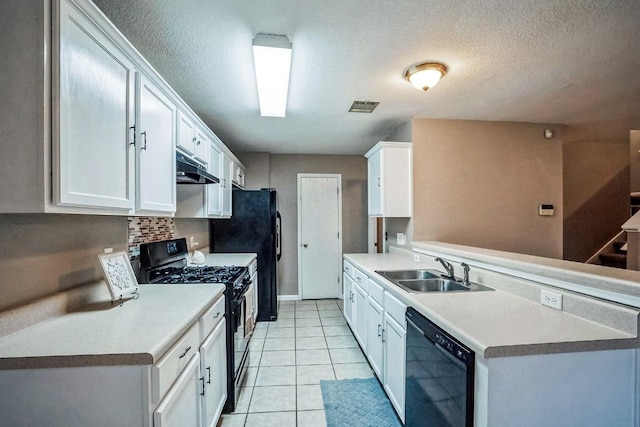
596, 193
634, 158
283, 170
480, 184
196, 227
45, 254
257, 175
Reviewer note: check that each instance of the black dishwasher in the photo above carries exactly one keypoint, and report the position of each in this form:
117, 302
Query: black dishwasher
439, 376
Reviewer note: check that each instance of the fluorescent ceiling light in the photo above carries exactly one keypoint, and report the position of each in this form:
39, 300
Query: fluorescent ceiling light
272, 61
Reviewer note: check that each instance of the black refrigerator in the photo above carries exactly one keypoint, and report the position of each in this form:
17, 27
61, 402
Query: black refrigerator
254, 227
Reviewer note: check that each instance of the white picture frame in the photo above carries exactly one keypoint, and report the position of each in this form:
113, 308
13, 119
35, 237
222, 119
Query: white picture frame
119, 275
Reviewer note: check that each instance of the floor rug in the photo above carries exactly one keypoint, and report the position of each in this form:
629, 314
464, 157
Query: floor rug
357, 403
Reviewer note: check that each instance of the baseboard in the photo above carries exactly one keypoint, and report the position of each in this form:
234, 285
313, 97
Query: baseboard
288, 298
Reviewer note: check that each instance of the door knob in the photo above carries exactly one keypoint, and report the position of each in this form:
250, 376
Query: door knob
305, 245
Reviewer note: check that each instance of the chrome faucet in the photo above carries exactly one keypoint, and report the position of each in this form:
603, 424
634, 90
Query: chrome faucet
465, 277
447, 266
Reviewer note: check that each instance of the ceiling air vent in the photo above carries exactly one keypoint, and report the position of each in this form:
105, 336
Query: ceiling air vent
363, 106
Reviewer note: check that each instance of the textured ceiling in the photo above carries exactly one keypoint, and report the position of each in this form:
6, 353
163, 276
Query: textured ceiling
575, 62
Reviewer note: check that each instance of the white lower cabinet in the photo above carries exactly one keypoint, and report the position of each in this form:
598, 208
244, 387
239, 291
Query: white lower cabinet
186, 387
253, 271
360, 330
181, 405
377, 320
348, 299
394, 363
375, 345
213, 357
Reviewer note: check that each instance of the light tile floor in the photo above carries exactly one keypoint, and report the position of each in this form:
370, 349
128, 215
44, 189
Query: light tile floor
309, 342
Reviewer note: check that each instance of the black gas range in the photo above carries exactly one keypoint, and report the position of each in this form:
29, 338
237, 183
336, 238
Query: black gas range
235, 278
166, 262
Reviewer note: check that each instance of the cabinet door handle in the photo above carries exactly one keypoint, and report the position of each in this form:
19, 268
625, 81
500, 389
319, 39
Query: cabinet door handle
209, 371
144, 147
378, 181
202, 392
217, 315
185, 352
198, 142
379, 333
382, 336
133, 128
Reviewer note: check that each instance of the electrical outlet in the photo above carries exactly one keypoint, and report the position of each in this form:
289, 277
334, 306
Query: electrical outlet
108, 250
551, 299
416, 257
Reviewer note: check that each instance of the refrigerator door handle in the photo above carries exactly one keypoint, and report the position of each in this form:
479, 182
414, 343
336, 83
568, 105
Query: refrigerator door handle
278, 240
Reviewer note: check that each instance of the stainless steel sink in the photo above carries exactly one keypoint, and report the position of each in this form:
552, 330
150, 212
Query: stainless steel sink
395, 275
432, 285
418, 281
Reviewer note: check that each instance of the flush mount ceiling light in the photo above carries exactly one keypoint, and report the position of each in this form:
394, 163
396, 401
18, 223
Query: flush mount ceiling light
272, 62
425, 76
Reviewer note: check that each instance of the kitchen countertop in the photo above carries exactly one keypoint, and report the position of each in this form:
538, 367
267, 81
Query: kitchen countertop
137, 333
497, 323
225, 259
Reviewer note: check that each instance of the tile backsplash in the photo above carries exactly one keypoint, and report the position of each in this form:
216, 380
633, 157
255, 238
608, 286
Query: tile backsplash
144, 229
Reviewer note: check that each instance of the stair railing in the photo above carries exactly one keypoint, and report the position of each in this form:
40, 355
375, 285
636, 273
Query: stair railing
595, 258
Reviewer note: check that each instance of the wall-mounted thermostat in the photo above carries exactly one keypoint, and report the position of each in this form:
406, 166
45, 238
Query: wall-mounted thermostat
545, 210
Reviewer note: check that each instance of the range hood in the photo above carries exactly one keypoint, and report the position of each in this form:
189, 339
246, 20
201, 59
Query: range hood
191, 172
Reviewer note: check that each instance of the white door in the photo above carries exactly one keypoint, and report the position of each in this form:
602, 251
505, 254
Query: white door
156, 152
319, 236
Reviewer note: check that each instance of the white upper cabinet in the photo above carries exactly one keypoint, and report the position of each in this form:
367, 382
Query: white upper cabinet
390, 179
225, 179
91, 127
156, 151
192, 139
214, 191
186, 134
93, 152
202, 146
238, 175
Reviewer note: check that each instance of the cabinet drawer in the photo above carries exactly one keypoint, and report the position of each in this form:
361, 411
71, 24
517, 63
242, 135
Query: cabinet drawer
395, 308
376, 292
173, 362
211, 317
361, 279
348, 269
